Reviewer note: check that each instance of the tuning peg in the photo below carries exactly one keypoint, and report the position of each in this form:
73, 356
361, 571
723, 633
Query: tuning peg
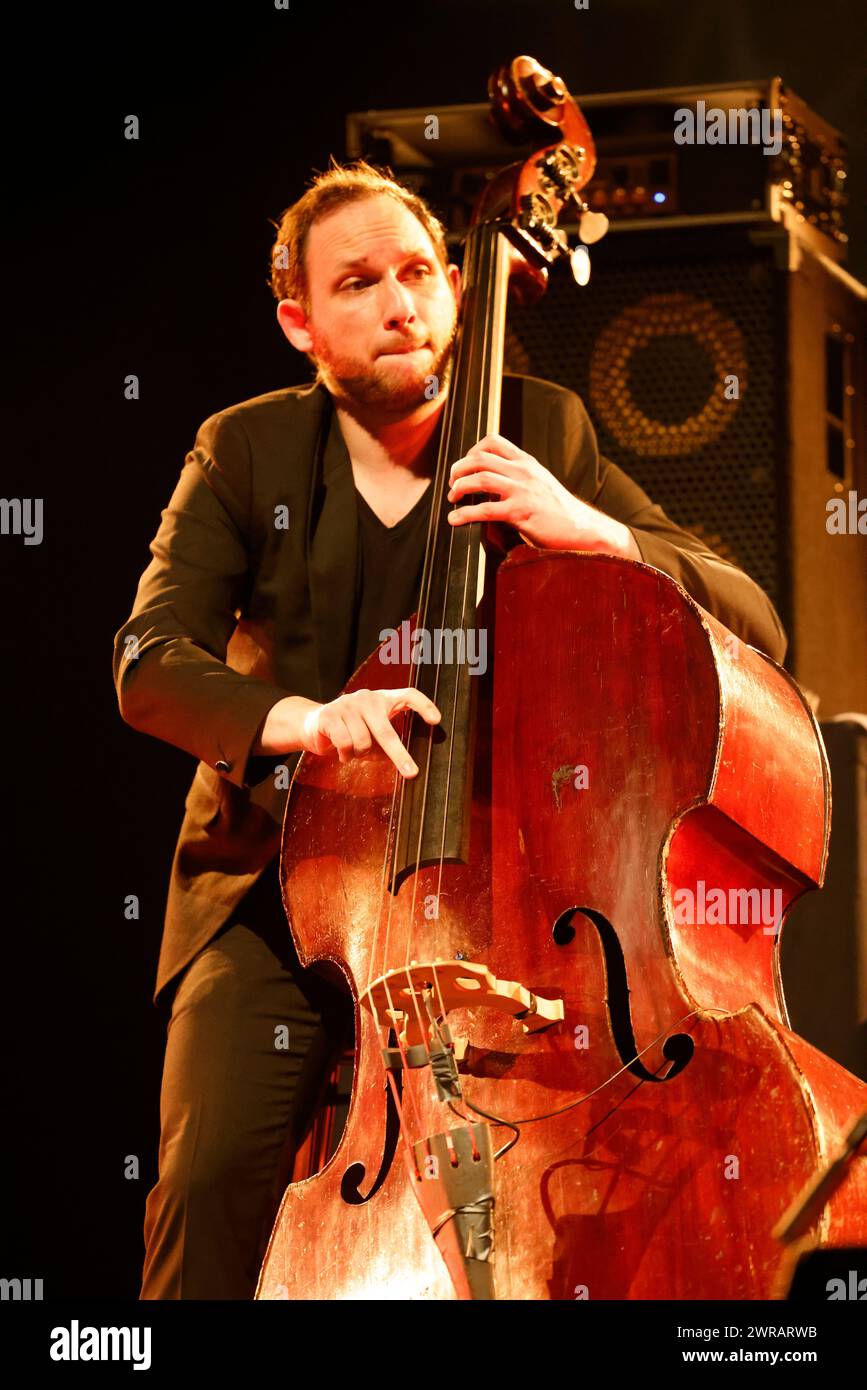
579, 259
592, 226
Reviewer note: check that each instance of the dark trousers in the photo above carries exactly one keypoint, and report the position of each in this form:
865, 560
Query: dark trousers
249, 1041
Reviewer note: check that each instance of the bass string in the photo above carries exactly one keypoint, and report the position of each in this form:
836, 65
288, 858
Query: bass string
490, 242
397, 784
478, 245
478, 372
479, 369
483, 268
484, 273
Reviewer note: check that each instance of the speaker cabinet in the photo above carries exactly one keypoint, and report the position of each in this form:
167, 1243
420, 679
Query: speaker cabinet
722, 368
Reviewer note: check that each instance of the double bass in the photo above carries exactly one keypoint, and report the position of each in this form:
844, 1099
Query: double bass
564, 1085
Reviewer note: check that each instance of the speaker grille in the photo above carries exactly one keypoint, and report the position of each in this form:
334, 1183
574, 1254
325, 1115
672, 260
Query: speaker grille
650, 345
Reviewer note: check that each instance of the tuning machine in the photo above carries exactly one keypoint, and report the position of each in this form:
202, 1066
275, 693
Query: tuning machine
592, 226
579, 259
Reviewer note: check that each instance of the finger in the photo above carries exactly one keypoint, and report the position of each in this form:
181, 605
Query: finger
411, 698
333, 725
480, 482
387, 738
482, 511
498, 444
360, 734
481, 458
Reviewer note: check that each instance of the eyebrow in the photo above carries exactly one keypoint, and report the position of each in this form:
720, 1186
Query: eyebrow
358, 264
362, 262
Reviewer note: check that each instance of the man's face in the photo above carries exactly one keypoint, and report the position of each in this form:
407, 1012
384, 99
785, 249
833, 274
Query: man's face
383, 311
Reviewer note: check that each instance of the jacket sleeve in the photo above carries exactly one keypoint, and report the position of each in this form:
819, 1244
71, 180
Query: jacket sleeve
716, 584
170, 670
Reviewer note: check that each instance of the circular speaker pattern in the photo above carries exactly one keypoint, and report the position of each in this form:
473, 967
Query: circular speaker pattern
655, 328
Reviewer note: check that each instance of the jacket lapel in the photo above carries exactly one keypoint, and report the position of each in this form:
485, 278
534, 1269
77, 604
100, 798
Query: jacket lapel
332, 554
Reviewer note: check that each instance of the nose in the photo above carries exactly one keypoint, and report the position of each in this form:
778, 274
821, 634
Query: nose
398, 307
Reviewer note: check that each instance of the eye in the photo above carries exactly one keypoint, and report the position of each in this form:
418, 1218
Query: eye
353, 285
422, 270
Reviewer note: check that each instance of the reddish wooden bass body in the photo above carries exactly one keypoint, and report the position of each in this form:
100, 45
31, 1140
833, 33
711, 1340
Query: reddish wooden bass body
634, 765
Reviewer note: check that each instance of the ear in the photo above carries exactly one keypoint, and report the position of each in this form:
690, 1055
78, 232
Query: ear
292, 318
454, 275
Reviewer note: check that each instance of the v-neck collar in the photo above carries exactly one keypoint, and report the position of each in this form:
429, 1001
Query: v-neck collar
422, 500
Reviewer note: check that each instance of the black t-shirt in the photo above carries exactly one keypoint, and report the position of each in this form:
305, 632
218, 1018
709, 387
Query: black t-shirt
388, 576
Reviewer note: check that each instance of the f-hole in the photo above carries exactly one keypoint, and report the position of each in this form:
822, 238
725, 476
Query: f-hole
678, 1048
350, 1183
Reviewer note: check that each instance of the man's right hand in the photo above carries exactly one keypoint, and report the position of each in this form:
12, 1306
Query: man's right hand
350, 724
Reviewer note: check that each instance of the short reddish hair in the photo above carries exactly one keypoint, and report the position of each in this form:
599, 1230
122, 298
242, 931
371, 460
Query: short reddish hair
340, 184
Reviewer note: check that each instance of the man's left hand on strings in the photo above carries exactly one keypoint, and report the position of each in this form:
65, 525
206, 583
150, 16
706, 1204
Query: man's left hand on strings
527, 496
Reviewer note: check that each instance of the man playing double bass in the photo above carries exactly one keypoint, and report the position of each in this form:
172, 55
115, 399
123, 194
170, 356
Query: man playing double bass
294, 537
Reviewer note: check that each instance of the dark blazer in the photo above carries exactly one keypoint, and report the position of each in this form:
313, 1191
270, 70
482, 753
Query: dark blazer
234, 613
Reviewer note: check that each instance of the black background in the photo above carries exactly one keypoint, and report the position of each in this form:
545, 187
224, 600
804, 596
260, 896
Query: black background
151, 257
